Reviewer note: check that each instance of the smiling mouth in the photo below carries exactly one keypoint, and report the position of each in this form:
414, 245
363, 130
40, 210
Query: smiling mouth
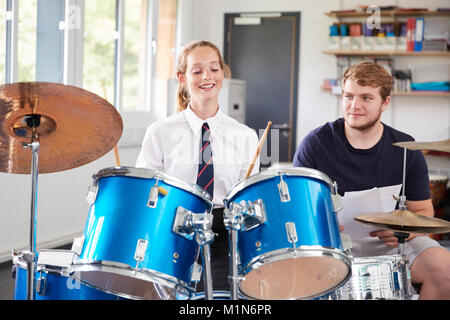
207, 86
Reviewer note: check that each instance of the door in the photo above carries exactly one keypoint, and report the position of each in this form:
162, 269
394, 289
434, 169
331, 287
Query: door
263, 50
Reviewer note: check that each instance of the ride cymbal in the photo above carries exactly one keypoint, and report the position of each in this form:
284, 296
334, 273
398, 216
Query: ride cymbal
73, 126
405, 221
443, 145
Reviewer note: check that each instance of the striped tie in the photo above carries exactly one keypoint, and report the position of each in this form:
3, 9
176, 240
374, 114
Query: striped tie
205, 176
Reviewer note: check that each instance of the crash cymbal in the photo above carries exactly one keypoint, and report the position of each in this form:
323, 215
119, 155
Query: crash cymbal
73, 126
443, 145
405, 221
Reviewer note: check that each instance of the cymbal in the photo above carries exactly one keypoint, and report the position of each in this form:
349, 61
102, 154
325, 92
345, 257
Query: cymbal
405, 221
443, 145
73, 126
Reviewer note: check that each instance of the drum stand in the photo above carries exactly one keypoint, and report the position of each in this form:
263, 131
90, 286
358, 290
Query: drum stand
204, 237
243, 216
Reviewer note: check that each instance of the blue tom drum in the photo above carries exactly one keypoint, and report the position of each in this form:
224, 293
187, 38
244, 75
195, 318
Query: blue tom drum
53, 280
288, 240
131, 245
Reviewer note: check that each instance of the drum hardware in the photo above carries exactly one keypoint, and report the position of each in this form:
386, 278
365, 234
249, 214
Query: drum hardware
443, 145
267, 267
77, 244
139, 254
335, 197
153, 196
187, 224
32, 118
284, 190
291, 234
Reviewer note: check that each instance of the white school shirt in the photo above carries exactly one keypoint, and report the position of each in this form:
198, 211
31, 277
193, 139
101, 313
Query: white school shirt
172, 145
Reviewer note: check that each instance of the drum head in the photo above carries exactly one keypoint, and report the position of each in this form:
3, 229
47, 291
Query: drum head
296, 278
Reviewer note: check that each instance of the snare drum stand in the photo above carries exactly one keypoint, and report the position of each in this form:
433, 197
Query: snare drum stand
204, 236
233, 220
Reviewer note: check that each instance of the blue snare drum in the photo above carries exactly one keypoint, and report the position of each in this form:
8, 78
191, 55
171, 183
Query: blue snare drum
52, 279
130, 245
288, 239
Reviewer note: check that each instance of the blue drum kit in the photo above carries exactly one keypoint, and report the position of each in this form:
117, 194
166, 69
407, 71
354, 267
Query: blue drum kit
146, 230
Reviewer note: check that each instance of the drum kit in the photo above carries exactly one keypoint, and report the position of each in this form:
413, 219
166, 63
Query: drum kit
146, 230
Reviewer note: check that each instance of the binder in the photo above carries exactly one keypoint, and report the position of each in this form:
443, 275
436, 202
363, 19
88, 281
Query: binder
418, 38
410, 33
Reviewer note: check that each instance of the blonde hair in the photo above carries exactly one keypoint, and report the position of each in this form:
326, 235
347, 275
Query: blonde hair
182, 92
370, 74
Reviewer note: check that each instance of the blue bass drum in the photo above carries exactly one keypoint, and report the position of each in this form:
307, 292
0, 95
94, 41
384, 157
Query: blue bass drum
53, 281
288, 239
131, 245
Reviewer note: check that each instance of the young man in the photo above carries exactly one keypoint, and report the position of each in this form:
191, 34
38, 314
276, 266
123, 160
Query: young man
356, 151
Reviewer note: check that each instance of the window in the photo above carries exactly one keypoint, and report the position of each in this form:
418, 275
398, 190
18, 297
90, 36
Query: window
2, 40
98, 57
26, 40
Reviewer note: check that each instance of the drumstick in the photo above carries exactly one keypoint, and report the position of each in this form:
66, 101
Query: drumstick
261, 143
116, 150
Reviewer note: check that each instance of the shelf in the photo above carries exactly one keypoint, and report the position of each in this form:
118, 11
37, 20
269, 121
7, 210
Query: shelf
389, 53
411, 93
391, 13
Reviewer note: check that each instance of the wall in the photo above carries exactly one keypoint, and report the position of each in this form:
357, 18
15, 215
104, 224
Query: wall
427, 119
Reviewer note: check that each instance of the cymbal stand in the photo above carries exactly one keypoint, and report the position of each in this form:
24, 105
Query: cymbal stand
33, 122
402, 236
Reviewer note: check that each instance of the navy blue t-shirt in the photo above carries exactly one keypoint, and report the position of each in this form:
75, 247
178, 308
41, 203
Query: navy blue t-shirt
328, 150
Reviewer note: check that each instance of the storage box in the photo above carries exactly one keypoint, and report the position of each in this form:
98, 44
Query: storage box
400, 44
346, 44
367, 43
356, 43
334, 43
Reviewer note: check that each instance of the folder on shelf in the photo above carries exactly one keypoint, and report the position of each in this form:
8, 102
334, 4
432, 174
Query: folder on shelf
418, 37
410, 32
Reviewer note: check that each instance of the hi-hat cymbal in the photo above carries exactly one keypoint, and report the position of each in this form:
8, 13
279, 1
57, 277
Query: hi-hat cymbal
443, 145
405, 221
73, 126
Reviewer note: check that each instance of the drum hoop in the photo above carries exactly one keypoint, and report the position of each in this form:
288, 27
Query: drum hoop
146, 173
272, 172
124, 269
304, 251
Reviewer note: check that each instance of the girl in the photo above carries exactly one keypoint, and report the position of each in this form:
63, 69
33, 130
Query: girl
200, 144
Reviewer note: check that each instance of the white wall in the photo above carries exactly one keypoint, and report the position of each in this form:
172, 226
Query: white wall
427, 119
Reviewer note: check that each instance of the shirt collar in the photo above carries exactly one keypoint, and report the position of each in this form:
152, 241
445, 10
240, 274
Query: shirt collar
195, 123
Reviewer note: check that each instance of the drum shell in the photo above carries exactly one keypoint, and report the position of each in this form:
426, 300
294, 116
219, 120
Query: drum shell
120, 217
310, 208
55, 284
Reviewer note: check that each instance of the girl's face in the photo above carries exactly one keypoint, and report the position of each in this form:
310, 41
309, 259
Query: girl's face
204, 76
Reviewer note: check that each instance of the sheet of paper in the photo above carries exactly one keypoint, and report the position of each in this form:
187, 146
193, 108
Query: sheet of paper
376, 200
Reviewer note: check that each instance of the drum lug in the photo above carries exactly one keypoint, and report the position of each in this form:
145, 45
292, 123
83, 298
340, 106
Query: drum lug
291, 233
92, 194
41, 285
77, 245
196, 272
141, 249
153, 197
336, 198
284, 190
